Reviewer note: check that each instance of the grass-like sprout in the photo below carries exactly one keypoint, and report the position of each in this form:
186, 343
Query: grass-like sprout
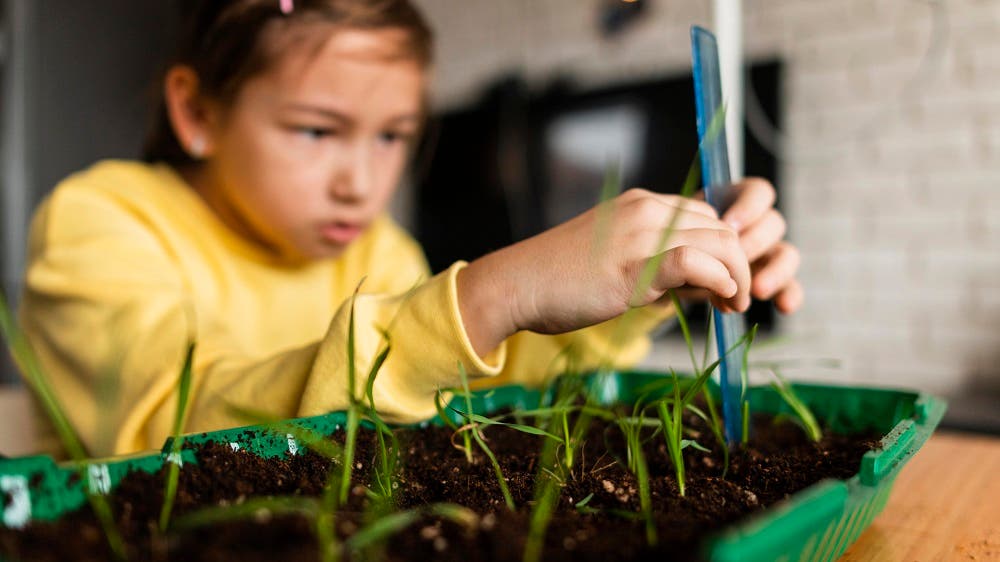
713, 419
671, 416
27, 362
552, 472
569, 388
472, 426
803, 414
745, 385
547, 490
631, 428
466, 446
174, 458
671, 411
388, 447
385, 468
715, 425
353, 409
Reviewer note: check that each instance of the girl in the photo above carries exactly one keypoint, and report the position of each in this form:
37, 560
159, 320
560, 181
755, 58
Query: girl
284, 130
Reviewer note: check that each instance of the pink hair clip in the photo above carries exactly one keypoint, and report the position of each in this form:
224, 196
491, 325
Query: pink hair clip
286, 6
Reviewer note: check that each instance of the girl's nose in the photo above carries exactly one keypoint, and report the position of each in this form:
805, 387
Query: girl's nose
353, 180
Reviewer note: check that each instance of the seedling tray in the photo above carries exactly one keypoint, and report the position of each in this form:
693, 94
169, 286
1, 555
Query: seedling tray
818, 523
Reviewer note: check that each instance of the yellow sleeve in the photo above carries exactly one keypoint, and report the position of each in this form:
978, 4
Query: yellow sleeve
426, 340
533, 359
111, 336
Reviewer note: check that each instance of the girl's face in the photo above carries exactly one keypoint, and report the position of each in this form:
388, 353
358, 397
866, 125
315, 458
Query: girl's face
311, 150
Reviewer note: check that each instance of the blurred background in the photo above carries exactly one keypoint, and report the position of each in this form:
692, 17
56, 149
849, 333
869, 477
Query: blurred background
878, 121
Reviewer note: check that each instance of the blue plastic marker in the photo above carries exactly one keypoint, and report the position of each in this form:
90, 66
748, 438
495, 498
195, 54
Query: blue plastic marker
729, 328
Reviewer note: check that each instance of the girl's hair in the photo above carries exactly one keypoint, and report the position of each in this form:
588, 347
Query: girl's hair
227, 42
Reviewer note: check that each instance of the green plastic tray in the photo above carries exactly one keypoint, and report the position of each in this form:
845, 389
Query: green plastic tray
818, 523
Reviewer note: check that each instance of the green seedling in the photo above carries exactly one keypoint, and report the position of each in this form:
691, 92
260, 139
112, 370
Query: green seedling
484, 421
715, 424
745, 385
353, 413
388, 446
26, 361
631, 428
803, 414
713, 419
471, 426
388, 457
670, 415
671, 412
466, 436
174, 459
569, 389
553, 472
548, 488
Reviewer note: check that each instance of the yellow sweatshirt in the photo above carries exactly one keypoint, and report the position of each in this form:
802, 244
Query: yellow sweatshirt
127, 264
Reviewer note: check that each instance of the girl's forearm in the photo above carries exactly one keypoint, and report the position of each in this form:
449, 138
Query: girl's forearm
486, 302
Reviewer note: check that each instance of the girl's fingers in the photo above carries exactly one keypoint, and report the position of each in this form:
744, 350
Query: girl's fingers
670, 203
775, 271
644, 228
761, 237
754, 197
690, 266
723, 246
688, 204
790, 298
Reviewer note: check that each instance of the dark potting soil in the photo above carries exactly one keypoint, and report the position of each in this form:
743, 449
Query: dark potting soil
778, 461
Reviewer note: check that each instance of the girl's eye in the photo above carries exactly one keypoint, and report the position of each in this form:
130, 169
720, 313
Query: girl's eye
315, 133
390, 137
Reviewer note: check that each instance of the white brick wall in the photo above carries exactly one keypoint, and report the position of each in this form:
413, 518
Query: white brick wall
899, 224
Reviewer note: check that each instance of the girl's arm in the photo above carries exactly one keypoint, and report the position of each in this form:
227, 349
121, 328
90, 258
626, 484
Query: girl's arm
589, 269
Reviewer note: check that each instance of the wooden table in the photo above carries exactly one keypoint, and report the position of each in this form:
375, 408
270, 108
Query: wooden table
945, 505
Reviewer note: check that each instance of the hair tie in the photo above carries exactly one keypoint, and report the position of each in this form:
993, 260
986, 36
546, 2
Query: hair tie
286, 6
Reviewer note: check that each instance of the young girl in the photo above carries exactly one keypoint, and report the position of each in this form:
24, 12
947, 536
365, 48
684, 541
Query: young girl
261, 206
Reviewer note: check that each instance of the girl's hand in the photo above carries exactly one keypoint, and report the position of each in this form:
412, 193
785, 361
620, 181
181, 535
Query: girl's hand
587, 270
773, 262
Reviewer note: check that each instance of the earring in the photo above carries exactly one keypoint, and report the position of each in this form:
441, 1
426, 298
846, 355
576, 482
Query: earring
197, 148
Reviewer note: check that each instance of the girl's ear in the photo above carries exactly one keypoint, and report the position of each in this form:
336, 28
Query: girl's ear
190, 114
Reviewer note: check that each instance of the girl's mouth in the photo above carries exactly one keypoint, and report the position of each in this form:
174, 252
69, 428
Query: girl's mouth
340, 232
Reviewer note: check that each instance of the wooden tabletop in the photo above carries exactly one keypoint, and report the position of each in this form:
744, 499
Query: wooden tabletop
945, 505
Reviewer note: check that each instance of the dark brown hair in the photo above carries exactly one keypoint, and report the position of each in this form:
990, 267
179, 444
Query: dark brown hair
227, 42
